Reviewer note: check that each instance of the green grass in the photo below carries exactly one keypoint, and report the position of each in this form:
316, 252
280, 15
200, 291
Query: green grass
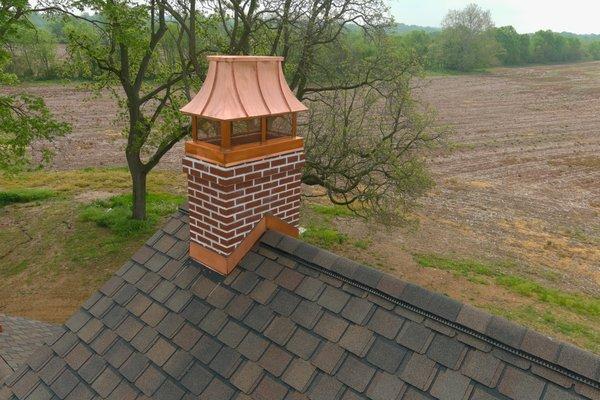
362, 244
332, 210
91, 179
323, 237
584, 305
544, 320
11, 269
115, 213
24, 195
482, 272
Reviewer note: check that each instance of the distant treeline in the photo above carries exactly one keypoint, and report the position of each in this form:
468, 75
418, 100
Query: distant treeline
469, 40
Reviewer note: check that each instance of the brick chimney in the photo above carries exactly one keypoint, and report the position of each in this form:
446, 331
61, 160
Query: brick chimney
244, 160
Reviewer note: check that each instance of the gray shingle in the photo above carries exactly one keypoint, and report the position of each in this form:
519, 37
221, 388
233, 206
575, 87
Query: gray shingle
129, 328
138, 304
270, 389
187, 337
124, 391
206, 349
195, 311
90, 330
64, 384
118, 353
298, 375
219, 297
225, 362
482, 367
385, 323
150, 380
419, 371
556, 393
451, 385
333, 299
213, 322
357, 310
170, 324
307, 314
77, 356
540, 345
447, 351
216, 389
280, 330
154, 314
144, 339
251, 261
253, 346
269, 269
284, 303
134, 366
91, 368
355, 373
275, 360
518, 384
415, 336
357, 339
331, 327
310, 288
247, 376
325, 387
289, 279
386, 355
81, 392
505, 331
328, 357
259, 317
160, 352
197, 379
245, 282
239, 306
106, 382
178, 363
303, 344
580, 361
385, 387
263, 291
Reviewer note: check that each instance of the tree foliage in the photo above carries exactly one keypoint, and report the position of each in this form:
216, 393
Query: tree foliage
515, 46
24, 119
548, 46
467, 41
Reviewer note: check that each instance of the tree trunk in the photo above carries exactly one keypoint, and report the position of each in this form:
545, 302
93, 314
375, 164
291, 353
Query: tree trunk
138, 177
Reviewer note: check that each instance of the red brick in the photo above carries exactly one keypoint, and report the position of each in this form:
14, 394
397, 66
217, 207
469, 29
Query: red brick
278, 161
261, 166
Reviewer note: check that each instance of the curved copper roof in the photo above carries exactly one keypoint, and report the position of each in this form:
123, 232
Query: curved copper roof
243, 87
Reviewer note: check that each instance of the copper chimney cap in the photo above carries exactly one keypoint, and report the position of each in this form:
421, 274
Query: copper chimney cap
238, 87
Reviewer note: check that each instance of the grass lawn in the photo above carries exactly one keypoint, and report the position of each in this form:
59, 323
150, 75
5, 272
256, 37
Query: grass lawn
65, 233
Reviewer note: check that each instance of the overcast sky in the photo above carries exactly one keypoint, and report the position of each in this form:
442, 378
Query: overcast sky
578, 16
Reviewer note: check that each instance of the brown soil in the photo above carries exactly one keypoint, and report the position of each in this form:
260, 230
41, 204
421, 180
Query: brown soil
523, 180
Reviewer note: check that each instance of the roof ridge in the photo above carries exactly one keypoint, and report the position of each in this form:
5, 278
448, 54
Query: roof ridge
497, 331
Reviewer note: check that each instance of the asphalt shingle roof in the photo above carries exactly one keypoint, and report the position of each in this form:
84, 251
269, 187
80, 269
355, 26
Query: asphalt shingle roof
290, 322
19, 337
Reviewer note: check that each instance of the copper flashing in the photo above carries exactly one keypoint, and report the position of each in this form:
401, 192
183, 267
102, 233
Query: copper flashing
238, 87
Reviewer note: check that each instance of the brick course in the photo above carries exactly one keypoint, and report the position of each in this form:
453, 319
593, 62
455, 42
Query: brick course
225, 203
